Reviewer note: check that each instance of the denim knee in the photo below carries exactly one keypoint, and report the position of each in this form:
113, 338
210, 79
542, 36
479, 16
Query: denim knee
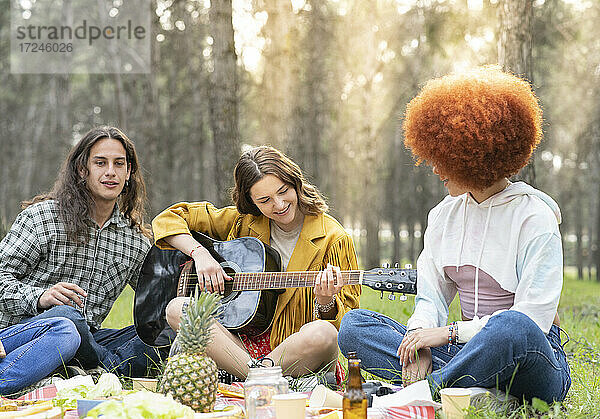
509, 328
348, 332
68, 336
67, 312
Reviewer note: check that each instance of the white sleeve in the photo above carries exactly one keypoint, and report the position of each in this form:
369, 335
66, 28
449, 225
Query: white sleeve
540, 273
434, 292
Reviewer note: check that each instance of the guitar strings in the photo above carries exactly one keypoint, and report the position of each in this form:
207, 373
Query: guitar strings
262, 280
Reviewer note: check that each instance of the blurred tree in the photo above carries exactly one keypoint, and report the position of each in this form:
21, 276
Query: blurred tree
223, 97
514, 49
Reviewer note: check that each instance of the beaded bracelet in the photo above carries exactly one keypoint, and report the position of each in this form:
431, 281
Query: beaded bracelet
452, 339
322, 308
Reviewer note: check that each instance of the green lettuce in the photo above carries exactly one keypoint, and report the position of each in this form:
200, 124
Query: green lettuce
142, 405
108, 385
67, 397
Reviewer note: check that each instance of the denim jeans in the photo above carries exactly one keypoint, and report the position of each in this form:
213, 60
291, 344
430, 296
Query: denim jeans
34, 350
119, 351
510, 353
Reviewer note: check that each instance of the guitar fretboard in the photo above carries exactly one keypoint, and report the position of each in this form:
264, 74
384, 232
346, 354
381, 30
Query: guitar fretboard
256, 281
274, 280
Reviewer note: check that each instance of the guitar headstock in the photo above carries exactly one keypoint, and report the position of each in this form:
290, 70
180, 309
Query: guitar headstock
394, 280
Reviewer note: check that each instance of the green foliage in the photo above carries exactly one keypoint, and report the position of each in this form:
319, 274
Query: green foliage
121, 314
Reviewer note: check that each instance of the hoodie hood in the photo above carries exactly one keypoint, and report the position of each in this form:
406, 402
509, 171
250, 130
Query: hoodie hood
515, 190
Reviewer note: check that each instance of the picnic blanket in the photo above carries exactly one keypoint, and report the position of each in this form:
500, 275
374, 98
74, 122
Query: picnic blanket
403, 412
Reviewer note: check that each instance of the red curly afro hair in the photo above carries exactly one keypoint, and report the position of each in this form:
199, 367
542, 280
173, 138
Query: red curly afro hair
475, 127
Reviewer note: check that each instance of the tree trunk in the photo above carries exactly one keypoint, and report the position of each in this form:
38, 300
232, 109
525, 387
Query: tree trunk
278, 80
515, 43
411, 241
579, 243
371, 223
223, 97
597, 246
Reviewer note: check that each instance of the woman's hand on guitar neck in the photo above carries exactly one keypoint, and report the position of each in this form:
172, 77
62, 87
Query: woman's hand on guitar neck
211, 276
326, 286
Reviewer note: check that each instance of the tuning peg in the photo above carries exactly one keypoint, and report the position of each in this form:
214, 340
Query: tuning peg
381, 297
396, 265
385, 265
408, 266
392, 297
403, 297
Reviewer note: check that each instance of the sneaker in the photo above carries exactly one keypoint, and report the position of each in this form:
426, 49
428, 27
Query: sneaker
494, 400
68, 371
95, 372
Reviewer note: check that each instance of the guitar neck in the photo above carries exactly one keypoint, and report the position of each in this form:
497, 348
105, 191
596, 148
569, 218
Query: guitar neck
255, 281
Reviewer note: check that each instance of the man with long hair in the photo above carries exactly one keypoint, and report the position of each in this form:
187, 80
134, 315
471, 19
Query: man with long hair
71, 251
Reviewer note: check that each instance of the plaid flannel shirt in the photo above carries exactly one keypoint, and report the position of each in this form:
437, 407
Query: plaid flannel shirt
35, 254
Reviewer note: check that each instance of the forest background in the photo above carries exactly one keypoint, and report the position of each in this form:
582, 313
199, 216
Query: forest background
326, 81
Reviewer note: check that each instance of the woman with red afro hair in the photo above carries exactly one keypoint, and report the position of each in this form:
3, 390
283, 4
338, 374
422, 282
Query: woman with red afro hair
494, 242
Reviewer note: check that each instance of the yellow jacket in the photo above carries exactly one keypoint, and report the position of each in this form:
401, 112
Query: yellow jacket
322, 240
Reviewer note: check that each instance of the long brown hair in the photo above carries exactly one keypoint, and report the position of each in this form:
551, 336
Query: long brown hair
74, 199
254, 164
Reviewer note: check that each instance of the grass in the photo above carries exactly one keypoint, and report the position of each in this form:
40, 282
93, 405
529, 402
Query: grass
579, 312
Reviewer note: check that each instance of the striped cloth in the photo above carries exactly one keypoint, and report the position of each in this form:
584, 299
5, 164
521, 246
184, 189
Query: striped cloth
404, 412
42, 393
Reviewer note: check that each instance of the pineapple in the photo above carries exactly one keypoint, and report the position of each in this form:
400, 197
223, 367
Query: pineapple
191, 376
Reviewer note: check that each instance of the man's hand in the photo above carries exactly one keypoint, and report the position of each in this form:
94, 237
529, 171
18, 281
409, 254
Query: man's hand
417, 370
63, 293
2, 351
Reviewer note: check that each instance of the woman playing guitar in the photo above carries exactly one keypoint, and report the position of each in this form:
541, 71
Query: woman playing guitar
274, 203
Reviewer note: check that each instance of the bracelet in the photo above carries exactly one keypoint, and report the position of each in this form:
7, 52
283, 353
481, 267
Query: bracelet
322, 308
412, 330
452, 338
194, 249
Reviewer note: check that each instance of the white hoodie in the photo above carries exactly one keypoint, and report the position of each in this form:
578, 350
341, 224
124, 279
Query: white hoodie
513, 236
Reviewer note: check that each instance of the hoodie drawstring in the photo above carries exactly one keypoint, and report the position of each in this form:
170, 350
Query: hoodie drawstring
462, 232
487, 223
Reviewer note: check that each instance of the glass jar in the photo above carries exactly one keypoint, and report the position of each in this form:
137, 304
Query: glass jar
260, 386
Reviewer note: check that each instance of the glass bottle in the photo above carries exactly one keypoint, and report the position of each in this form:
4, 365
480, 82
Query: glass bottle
260, 386
355, 400
352, 355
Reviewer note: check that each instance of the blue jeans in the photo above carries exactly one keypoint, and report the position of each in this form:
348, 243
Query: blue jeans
119, 351
34, 350
510, 353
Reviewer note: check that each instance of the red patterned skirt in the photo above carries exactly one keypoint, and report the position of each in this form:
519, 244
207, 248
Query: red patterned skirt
260, 346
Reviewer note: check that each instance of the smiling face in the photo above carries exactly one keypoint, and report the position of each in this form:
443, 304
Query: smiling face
107, 171
454, 189
277, 201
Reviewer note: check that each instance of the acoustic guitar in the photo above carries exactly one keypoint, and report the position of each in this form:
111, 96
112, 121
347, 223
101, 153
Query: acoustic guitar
249, 300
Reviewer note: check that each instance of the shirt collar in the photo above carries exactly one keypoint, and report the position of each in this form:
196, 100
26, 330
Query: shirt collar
115, 218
